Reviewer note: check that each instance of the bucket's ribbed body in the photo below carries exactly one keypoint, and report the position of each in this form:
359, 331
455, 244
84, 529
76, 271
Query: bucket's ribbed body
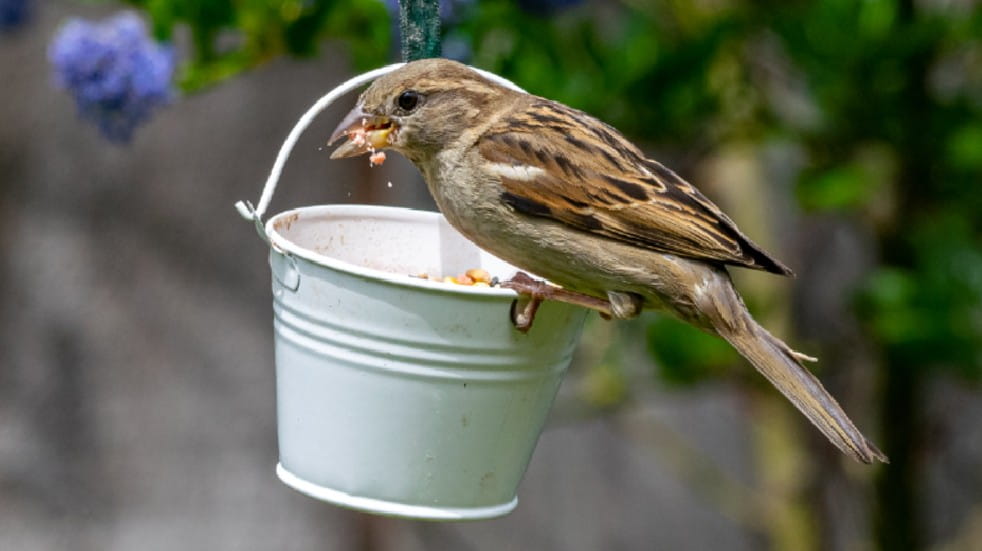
398, 396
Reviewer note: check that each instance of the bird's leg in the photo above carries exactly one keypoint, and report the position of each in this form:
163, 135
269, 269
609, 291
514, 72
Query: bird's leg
523, 309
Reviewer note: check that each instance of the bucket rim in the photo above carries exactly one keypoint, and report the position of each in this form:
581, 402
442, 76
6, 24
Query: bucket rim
280, 242
391, 508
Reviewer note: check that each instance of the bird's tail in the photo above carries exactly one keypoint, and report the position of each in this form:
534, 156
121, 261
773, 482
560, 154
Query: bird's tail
783, 367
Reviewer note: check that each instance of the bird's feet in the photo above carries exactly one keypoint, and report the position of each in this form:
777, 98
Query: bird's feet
532, 292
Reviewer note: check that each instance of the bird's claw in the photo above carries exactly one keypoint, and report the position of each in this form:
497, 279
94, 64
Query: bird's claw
523, 311
532, 292
524, 307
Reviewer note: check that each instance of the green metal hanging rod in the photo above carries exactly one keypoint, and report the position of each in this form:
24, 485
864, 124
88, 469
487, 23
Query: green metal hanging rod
419, 24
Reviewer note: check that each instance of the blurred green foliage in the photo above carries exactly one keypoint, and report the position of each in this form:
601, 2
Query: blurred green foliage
928, 314
231, 36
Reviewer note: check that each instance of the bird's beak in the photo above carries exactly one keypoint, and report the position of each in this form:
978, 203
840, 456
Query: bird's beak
365, 133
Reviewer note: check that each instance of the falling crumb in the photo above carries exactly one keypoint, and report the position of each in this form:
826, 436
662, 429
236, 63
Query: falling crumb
377, 158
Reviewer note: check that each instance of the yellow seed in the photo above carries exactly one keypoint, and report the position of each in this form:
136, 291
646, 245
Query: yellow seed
477, 274
449, 279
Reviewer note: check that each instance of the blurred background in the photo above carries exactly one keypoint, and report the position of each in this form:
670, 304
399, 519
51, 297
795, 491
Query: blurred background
136, 376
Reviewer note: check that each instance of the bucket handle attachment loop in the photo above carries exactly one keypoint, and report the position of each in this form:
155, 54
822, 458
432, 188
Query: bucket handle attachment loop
285, 270
289, 276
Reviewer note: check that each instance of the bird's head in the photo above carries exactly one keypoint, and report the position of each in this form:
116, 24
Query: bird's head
417, 110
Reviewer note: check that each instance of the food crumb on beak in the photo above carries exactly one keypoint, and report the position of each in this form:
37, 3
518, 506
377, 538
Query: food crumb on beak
371, 139
365, 134
361, 138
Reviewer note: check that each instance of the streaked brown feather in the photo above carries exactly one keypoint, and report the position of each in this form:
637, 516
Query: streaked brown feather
620, 194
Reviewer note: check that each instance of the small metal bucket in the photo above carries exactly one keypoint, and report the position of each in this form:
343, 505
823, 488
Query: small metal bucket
398, 395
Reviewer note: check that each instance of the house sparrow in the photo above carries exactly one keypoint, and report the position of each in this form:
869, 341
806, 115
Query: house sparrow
559, 193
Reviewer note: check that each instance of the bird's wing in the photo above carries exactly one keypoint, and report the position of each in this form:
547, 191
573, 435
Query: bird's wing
611, 189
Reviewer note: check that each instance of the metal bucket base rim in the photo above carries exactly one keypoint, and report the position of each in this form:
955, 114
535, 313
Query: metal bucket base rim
389, 508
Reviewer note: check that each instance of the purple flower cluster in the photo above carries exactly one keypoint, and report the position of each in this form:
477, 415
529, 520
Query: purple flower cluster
117, 74
13, 13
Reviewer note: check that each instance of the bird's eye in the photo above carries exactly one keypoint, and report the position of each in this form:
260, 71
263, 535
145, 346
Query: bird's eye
408, 100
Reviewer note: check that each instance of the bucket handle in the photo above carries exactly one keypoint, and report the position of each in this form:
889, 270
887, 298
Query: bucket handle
245, 208
255, 214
